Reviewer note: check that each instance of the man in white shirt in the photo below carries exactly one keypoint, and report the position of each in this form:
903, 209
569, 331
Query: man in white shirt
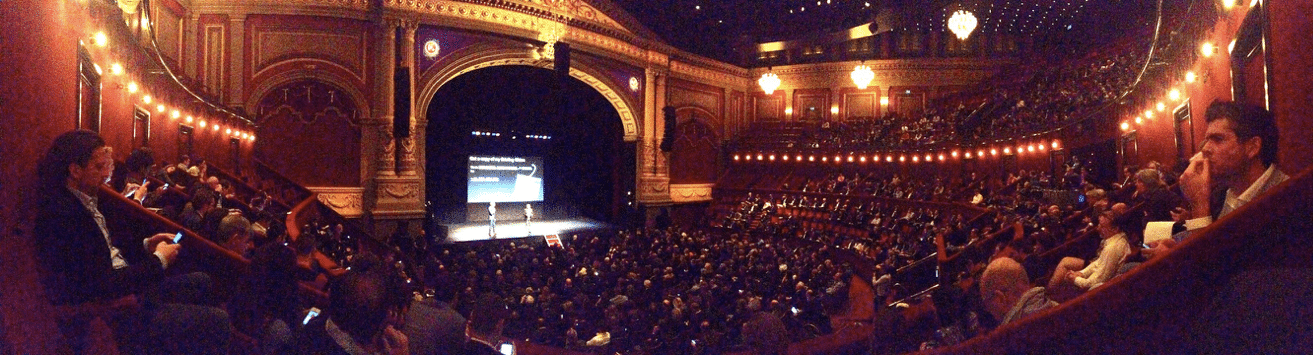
1236, 164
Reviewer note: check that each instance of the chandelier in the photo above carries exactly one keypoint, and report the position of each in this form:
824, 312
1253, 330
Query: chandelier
962, 23
769, 82
862, 76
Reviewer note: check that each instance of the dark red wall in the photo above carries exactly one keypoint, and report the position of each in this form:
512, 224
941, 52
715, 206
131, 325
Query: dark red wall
39, 68
696, 149
38, 101
1289, 93
1292, 66
310, 132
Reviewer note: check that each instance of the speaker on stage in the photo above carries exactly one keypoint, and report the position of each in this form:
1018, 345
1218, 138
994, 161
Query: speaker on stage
668, 140
401, 103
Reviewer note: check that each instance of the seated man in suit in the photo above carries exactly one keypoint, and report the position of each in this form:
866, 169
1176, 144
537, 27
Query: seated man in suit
88, 275
1236, 164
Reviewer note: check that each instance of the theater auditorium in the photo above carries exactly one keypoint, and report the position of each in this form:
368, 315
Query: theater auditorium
527, 177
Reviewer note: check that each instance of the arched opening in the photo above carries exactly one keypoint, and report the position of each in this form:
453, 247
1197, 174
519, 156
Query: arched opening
310, 121
524, 111
696, 152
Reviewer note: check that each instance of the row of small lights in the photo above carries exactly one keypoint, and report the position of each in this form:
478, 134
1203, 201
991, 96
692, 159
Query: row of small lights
818, 3
1174, 95
100, 40
495, 134
889, 158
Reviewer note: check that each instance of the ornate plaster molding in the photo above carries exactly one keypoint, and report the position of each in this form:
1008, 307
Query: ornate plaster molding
684, 193
347, 201
399, 189
429, 85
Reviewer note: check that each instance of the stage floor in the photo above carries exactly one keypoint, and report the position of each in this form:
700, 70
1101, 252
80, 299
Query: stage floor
478, 231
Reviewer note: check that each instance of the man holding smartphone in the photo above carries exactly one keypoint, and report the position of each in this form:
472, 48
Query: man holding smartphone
88, 275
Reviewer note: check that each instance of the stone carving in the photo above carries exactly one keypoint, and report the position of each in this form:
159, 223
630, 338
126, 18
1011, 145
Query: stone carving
346, 201
400, 190
690, 192
387, 161
407, 164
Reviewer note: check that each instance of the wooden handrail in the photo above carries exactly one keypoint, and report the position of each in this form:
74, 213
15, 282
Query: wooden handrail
243, 191
1153, 308
264, 172
198, 252
299, 216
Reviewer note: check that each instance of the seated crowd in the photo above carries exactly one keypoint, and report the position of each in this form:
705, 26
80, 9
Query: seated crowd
648, 291
635, 291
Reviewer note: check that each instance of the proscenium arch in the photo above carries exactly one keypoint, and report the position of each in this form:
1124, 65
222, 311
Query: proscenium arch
490, 57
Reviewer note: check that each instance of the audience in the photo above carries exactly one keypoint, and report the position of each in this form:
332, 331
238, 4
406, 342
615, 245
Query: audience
764, 333
1113, 250
92, 275
360, 305
663, 291
234, 233
1006, 293
484, 328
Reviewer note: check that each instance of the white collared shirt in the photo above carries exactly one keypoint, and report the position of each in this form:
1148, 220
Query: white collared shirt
115, 256
1234, 201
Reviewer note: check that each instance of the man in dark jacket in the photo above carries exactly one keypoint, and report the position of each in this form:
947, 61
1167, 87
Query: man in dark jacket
87, 275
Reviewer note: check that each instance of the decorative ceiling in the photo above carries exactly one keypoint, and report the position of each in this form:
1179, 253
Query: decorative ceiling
722, 29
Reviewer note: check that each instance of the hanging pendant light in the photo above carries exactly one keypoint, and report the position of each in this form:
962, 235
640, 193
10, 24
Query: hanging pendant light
862, 76
962, 23
769, 82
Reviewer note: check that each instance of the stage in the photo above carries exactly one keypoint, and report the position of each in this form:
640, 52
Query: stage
509, 230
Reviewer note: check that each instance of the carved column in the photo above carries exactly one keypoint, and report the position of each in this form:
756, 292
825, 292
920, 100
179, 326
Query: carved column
406, 165
395, 197
237, 59
653, 175
383, 47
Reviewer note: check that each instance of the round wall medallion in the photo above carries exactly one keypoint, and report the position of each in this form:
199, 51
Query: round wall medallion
431, 48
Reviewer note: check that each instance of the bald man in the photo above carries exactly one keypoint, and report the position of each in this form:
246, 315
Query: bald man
1006, 292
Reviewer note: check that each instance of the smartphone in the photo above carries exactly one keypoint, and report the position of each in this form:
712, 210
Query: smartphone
166, 186
1144, 246
314, 312
795, 310
507, 349
177, 237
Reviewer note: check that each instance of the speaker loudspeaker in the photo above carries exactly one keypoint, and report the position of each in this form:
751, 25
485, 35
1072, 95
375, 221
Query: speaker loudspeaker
668, 139
401, 103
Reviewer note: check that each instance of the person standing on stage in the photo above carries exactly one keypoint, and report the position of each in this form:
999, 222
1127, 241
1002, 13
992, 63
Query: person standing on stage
528, 218
492, 219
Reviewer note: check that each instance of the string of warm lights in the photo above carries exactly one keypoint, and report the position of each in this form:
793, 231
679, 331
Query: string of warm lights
100, 50
1175, 94
942, 155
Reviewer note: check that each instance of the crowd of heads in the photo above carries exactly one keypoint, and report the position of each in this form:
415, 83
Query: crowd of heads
648, 291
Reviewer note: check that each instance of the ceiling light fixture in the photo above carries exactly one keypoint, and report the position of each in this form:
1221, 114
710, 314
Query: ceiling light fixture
862, 76
962, 23
769, 82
